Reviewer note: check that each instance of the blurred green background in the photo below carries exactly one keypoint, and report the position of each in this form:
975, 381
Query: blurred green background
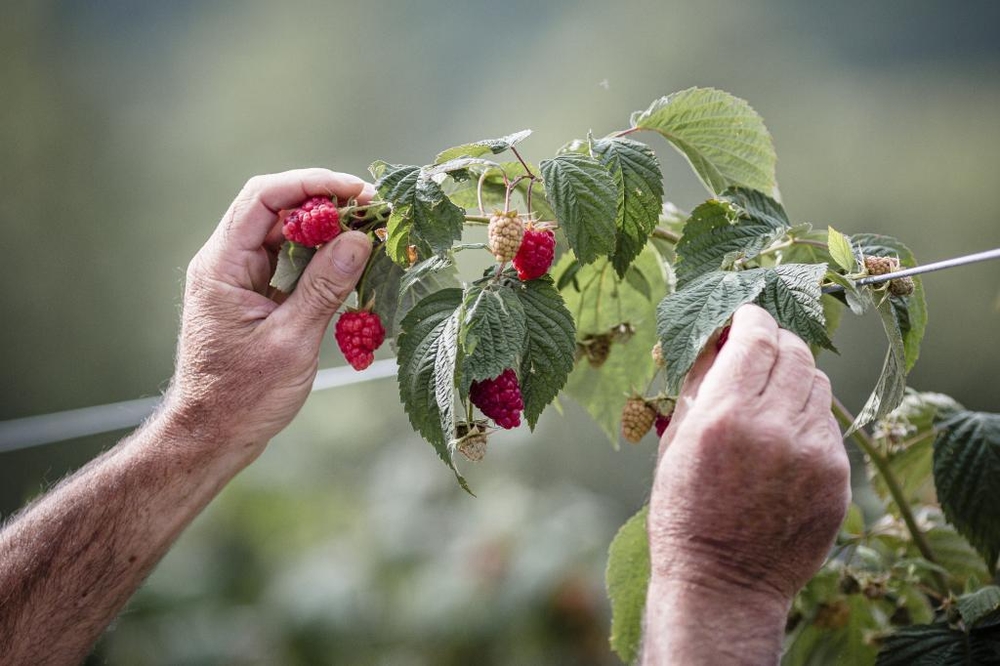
127, 127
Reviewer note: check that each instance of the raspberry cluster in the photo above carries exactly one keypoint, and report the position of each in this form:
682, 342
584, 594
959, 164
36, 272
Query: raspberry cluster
505, 233
358, 335
315, 222
499, 398
533, 258
637, 419
881, 265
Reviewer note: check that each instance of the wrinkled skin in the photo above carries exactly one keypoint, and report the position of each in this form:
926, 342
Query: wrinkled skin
752, 481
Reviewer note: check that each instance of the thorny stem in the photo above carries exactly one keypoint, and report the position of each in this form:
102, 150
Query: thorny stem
865, 443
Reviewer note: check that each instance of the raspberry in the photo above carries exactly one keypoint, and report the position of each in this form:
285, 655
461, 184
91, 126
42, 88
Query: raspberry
881, 265
597, 348
637, 419
358, 335
723, 337
505, 234
472, 444
901, 286
313, 223
499, 398
538, 248
657, 354
661, 424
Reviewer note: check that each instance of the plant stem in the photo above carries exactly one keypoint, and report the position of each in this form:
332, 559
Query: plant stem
626, 132
666, 234
477, 219
865, 443
523, 163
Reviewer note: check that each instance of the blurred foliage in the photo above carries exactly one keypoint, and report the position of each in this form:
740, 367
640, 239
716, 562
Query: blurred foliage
127, 127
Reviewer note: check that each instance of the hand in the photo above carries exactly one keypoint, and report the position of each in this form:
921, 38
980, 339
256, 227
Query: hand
753, 481
245, 362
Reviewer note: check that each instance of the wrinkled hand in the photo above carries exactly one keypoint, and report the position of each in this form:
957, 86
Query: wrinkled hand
753, 479
246, 362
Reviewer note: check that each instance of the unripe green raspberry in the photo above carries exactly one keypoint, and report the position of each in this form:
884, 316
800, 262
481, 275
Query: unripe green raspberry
901, 286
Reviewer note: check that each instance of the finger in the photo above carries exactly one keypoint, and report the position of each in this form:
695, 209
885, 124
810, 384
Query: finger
793, 374
326, 282
689, 391
254, 213
744, 363
820, 397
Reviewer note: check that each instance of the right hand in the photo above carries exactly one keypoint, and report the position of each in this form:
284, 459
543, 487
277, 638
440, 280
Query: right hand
753, 479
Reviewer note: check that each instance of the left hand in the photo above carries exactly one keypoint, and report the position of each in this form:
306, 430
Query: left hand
245, 362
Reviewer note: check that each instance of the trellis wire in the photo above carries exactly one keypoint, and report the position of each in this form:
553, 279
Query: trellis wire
48, 428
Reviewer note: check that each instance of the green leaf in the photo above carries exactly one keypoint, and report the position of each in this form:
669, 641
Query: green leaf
967, 478
686, 318
953, 552
585, 200
911, 312
600, 302
721, 136
841, 250
627, 579
980, 605
483, 147
292, 260
380, 283
636, 173
792, 295
424, 385
430, 275
493, 332
548, 355
939, 645
891, 385
859, 300
738, 225
421, 216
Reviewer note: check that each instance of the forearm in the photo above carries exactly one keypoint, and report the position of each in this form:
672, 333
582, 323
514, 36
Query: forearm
69, 562
690, 624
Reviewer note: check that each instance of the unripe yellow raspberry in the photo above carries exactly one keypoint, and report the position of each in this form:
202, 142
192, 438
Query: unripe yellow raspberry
637, 419
505, 234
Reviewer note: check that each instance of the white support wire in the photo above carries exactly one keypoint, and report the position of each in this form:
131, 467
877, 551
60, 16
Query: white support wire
48, 428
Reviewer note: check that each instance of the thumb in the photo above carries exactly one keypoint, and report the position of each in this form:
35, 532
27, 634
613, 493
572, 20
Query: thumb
327, 281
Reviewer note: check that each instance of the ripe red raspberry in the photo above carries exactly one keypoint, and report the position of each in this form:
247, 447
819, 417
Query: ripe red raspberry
499, 398
505, 233
662, 423
637, 419
313, 223
533, 258
358, 335
723, 337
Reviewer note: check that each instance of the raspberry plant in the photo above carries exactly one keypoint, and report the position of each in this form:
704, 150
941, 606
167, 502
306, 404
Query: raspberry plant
638, 287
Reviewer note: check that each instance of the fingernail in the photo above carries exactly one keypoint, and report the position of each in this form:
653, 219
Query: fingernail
351, 252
